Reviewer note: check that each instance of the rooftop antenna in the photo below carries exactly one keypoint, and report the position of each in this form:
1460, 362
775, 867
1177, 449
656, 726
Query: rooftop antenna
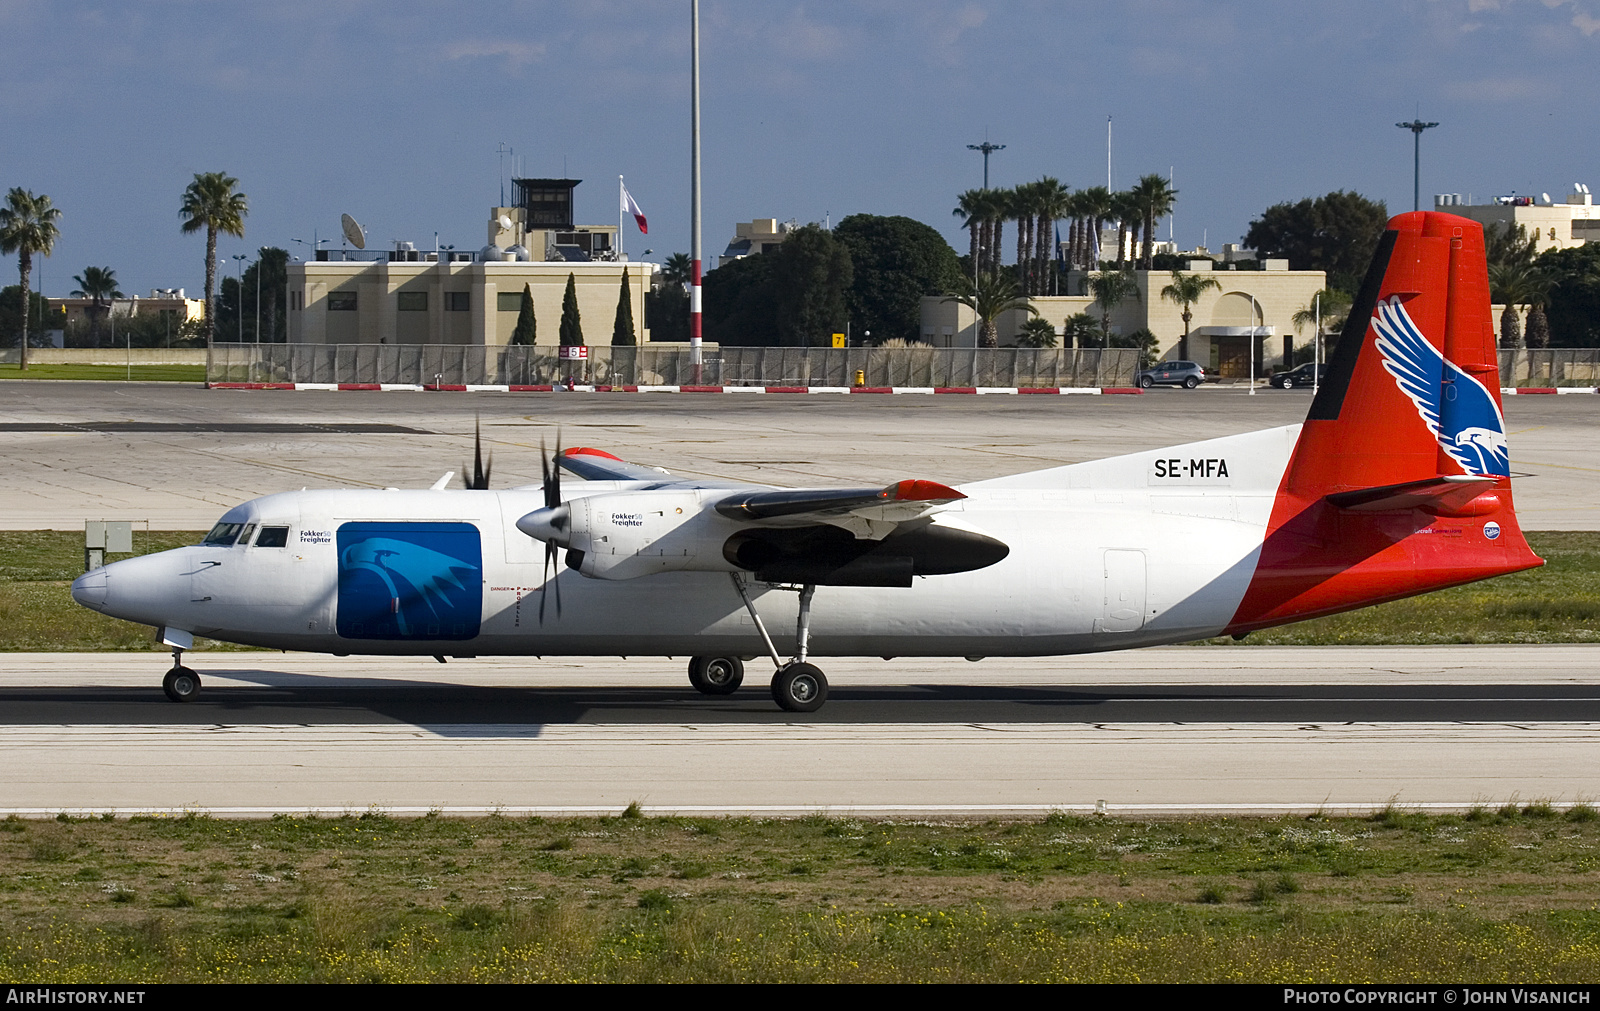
352, 231
501, 149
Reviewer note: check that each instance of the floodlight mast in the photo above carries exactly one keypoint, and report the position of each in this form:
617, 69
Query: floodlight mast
1416, 127
694, 199
987, 149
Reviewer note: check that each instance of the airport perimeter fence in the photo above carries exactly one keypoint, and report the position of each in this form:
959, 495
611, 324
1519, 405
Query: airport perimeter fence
476, 365
1550, 367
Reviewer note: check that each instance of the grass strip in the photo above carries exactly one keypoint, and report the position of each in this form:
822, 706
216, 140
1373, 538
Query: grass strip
1503, 895
136, 373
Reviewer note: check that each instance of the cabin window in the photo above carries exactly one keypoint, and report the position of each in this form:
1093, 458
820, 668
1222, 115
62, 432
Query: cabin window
273, 537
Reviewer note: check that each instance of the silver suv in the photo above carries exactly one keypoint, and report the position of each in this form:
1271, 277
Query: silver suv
1185, 374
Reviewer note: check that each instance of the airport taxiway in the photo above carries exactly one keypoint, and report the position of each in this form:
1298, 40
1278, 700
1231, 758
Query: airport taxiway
1173, 729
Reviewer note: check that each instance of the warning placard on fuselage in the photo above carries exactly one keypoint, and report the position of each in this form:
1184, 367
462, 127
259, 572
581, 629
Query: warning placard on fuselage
1186, 471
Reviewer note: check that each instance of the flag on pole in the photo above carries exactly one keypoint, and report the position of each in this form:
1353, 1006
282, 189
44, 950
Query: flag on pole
630, 207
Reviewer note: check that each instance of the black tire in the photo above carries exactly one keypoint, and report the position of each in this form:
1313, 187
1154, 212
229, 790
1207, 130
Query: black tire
181, 684
1190, 383
716, 675
1146, 382
799, 688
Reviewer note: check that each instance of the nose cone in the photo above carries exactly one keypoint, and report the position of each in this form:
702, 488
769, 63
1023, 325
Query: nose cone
548, 525
91, 589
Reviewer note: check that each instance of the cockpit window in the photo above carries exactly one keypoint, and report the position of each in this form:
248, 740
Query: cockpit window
223, 534
273, 537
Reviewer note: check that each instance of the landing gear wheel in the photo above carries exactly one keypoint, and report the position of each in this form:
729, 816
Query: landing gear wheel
716, 675
1147, 382
181, 684
1190, 383
799, 688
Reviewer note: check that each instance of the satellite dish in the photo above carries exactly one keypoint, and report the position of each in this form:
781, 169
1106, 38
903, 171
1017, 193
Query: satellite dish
1544, 197
352, 231
505, 222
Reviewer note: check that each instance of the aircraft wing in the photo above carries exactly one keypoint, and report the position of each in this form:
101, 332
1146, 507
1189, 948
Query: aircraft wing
598, 465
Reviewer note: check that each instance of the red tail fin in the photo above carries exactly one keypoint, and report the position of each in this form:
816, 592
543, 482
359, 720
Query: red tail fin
1411, 403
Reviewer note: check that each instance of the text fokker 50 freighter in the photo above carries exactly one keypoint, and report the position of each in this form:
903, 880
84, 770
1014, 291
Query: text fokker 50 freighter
1397, 483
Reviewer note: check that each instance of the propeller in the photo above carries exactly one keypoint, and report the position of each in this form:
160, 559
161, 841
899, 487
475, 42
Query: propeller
559, 518
477, 479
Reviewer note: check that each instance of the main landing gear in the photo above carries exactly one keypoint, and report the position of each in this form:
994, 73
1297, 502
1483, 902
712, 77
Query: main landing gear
797, 686
181, 684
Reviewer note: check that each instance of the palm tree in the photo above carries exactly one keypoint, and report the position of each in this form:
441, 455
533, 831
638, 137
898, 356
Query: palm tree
1515, 284
1037, 333
210, 203
1154, 197
1328, 307
1125, 209
1078, 330
27, 226
993, 295
1184, 291
1054, 201
99, 286
678, 269
1023, 202
969, 208
1111, 288
1097, 210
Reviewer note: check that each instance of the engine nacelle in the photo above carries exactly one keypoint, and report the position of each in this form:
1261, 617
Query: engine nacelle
640, 533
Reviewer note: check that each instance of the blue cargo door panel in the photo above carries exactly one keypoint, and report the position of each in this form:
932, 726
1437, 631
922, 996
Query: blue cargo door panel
410, 581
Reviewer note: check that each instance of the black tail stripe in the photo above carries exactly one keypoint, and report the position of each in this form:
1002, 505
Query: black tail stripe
1334, 385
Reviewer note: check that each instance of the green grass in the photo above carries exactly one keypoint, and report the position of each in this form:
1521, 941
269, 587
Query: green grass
37, 612
1400, 896
138, 373
1559, 602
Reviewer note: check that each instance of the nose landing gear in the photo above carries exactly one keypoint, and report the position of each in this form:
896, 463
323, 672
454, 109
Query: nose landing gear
181, 684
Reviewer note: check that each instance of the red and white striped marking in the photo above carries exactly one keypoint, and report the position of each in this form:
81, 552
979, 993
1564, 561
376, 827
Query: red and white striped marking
548, 388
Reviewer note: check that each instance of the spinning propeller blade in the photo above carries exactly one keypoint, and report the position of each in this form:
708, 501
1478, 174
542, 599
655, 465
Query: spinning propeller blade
477, 479
552, 499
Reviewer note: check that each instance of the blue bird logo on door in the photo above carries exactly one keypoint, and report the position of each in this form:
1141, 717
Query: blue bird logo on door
410, 581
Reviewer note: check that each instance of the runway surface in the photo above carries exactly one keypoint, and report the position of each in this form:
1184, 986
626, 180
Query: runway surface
178, 456
1161, 730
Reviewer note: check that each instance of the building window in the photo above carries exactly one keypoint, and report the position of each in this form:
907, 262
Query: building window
458, 301
509, 301
413, 301
341, 301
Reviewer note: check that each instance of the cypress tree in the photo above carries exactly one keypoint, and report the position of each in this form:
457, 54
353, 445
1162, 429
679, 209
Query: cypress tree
622, 329
571, 325
527, 327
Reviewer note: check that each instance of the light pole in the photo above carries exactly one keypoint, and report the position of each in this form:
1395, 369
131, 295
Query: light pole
241, 258
1253, 331
987, 149
1416, 127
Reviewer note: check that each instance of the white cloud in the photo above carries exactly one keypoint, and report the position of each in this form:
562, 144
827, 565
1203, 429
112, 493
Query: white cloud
515, 53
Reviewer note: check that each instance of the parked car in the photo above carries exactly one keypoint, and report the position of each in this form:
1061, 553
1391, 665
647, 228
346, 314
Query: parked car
1305, 375
1185, 374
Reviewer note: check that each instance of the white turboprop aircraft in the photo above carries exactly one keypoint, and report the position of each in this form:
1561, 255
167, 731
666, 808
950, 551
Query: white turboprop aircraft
1397, 483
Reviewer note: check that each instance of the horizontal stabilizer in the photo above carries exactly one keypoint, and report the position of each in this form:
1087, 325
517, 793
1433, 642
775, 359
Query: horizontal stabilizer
1450, 495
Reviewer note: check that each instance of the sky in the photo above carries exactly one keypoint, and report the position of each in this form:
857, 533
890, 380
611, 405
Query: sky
395, 112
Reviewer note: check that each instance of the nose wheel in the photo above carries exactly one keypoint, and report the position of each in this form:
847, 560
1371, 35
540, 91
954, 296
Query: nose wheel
181, 684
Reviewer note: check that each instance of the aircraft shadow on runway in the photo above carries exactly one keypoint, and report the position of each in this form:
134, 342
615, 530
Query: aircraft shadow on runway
276, 699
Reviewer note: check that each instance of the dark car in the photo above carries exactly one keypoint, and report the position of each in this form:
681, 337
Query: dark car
1304, 376
1185, 374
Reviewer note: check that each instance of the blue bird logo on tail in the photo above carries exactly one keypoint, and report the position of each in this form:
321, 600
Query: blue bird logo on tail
1459, 411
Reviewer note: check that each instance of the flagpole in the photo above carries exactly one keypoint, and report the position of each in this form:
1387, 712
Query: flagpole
694, 158
622, 203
